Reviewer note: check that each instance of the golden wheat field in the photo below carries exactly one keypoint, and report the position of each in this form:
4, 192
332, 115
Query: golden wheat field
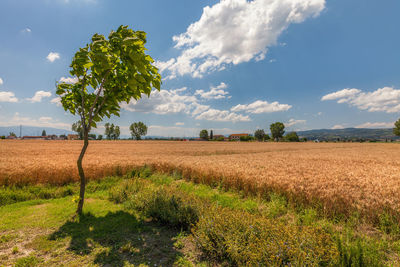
342, 177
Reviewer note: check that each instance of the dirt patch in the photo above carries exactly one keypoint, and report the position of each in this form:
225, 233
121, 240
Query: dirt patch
17, 244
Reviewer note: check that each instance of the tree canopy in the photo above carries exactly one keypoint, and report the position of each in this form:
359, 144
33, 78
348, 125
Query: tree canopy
77, 127
292, 137
259, 134
111, 131
277, 130
396, 129
204, 134
138, 129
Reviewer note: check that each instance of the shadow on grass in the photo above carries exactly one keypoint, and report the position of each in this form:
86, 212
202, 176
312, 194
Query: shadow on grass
118, 238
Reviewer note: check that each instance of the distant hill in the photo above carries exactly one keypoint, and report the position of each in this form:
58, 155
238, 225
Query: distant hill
31, 130
349, 133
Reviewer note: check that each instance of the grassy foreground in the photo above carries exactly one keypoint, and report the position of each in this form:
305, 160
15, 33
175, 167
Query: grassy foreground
146, 219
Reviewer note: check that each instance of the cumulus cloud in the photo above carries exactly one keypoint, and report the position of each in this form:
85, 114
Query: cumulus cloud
221, 115
259, 106
342, 94
386, 99
1, 81
57, 101
17, 119
217, 92
376, 125
39, 95
164, 102
235, 31
292, 122
8, 97
68, 80
337, 126
52, 56
179, 123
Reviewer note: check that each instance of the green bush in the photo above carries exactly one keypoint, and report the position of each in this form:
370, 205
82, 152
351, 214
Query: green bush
240, 238
122, 191
170, 207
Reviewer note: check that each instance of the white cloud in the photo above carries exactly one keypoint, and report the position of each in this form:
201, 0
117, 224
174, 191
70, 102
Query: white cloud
259, 106
376, 125
235, 31
179, 123
68, 80
45, 119
385, 99
17, 119
216, 92
26, 30
39, 95
8, 97
57, 101
52, 56
337, 126
163, 102
221, 115
342, 94
1, 81
292, 122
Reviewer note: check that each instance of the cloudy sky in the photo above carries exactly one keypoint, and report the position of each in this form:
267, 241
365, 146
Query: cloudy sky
228, 65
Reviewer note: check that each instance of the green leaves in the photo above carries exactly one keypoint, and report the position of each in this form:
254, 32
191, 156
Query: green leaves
109, 72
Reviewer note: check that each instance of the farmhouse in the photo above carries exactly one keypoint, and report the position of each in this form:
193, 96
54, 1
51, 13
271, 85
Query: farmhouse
73, 137
236, 137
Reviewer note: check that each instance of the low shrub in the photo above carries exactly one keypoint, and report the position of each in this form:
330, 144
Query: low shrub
241, 238
122, 191
167, 206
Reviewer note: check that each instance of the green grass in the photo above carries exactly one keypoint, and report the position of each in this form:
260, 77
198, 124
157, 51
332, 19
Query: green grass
159, 220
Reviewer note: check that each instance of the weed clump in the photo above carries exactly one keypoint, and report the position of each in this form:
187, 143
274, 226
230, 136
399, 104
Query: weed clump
241, 238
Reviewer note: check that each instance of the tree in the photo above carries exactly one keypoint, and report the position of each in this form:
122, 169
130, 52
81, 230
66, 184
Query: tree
108, 72
211, 135
267, 137
204, 134
112, 132
109, 129
138, 129
116, 133
277, 130
396, 129
12, 134
292, 137
77, 127
44, 133
100, 137
259, 134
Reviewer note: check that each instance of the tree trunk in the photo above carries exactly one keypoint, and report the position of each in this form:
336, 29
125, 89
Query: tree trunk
82, 174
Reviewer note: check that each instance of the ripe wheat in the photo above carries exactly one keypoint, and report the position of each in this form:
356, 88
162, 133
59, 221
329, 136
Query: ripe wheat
342, 177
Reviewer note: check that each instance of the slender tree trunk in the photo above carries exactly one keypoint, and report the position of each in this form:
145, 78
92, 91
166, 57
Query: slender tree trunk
82, 174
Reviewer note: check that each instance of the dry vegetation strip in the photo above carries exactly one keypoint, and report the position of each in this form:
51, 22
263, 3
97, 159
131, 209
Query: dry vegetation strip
343, 177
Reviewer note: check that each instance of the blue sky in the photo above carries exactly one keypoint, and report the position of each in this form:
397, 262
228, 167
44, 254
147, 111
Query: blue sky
231, 66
